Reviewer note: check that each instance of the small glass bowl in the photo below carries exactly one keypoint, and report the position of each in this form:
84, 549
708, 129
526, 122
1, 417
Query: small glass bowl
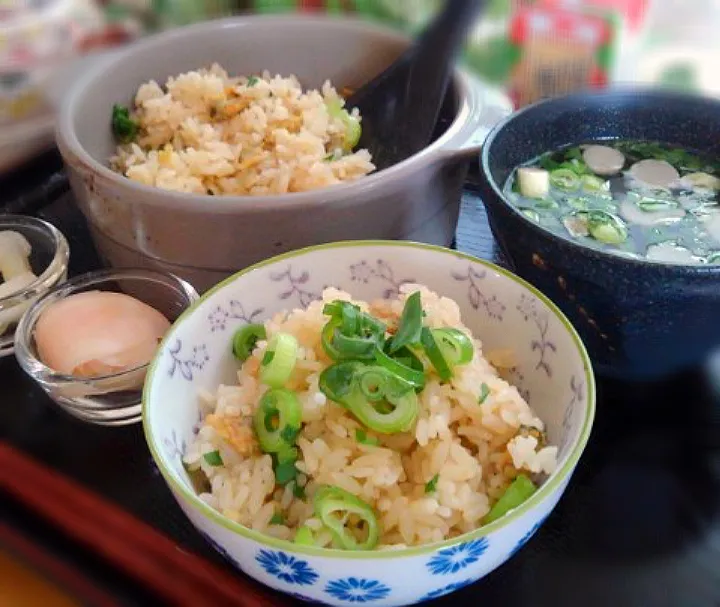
109, 400
49, 261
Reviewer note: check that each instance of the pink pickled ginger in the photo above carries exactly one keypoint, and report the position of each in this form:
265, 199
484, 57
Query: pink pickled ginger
98, 333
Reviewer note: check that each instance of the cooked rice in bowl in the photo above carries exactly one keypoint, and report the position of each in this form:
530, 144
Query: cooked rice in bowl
439, 477
208, 133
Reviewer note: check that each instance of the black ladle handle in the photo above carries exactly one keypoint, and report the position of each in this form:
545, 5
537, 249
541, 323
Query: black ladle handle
448, 30
437, 49
401, 106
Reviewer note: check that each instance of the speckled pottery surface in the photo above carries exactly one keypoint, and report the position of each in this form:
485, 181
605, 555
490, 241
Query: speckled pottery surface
639, 319
207, 238
553, 372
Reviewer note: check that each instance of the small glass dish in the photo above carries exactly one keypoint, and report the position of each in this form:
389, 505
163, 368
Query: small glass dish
49, 262
109, 400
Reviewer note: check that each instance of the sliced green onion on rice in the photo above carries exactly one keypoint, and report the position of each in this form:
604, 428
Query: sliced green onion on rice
279, 360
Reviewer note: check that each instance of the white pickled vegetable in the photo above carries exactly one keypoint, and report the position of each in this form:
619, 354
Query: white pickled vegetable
13, 314
14, 254
16, 273
533, 182
98, 333
17, 283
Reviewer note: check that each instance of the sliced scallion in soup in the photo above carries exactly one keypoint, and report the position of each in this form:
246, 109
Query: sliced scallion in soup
641, 199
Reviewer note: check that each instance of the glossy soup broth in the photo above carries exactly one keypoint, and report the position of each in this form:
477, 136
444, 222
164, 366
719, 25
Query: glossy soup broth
645, 200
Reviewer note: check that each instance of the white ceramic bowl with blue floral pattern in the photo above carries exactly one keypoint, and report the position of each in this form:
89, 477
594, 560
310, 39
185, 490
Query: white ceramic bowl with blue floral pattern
553, 372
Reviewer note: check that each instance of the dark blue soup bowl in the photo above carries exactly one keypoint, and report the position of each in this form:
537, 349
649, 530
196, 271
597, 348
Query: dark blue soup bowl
640, 320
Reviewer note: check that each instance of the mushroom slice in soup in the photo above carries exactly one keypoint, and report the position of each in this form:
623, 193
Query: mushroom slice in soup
703, 181
654, 173
603, 160
671, 252
649, 215
576, 224
712, 225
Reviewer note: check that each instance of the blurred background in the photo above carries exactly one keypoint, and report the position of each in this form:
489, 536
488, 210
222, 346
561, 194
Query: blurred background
531, 48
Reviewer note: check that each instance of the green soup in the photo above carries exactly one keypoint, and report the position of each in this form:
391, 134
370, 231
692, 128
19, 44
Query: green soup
640, 199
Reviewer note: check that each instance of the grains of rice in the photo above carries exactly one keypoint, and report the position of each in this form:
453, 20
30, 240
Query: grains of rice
472, 450
208, 133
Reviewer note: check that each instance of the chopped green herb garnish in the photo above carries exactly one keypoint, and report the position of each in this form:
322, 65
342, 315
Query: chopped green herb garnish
245, 339
289, 434
299, 491
548, 163
353, 130
547, 203
565, 179
277, 519
484, 393
408, 332
285, 472
278, 410
431, 485
268, 357
213, 458
337, 508
377, 398
286, 454
362, 437
279, 360
404, 363
531, 214
124, 128
679, 158
574, 154
350, 333
606, 227
434, 354
456, 347
576, 166
520, 490
252, 81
